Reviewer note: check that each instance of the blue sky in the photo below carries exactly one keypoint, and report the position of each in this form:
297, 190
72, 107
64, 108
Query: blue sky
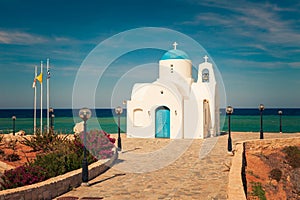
255, 44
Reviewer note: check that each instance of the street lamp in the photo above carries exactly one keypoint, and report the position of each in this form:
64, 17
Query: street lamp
280, 121
229, 111
51, 110
261, 108
14, 124
119, 111
85, 114
52, 122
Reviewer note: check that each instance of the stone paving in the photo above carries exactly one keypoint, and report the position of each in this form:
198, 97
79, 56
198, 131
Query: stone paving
167, 169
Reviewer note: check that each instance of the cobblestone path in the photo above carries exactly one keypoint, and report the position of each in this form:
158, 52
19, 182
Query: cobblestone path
167, 169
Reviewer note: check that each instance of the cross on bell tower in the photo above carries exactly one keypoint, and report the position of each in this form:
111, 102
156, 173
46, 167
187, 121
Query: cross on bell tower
205, 58
175, 45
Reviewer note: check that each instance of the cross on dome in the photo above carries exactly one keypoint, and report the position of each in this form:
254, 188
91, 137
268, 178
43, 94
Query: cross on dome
205, 58
175, 45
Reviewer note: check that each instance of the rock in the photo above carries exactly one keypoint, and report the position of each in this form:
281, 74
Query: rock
8, 138
274, 182
288, 178
20, 133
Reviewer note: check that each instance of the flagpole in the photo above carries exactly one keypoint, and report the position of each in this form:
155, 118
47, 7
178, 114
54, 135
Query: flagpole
41, 100
47, 95
34, 103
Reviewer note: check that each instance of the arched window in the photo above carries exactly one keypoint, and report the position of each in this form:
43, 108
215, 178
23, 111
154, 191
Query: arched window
205, 76
138, 117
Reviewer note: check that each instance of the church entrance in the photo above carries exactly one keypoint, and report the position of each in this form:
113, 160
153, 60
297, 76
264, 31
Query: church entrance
162, 122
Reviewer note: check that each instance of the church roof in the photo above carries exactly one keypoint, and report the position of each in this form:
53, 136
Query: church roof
175, 54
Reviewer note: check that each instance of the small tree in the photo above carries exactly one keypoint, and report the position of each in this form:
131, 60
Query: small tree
275, 174
292, 155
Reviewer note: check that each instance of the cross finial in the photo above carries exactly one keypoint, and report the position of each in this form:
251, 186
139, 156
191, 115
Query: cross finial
175, 45
205, 58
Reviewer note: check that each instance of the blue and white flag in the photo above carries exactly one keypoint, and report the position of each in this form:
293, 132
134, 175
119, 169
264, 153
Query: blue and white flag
48, 73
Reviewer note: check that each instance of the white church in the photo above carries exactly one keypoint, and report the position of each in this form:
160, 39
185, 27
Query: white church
175, 106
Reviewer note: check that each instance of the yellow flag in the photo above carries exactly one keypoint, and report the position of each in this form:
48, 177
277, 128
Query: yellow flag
40, 77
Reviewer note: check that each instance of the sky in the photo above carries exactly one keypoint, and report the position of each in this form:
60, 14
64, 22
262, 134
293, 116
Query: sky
254, 44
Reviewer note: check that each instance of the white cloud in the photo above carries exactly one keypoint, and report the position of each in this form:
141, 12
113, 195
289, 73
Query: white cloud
263, 25
265, 18
62, 39
24, 38
18, 37
295, 65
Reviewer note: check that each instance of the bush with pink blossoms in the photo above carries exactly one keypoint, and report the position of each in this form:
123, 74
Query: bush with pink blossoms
98, 143
23, 175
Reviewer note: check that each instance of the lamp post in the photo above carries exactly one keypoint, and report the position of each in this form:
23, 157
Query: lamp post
119, 111
52, 122
229, 111
280, 121
261, 108
51, 118
14, 124
85, 114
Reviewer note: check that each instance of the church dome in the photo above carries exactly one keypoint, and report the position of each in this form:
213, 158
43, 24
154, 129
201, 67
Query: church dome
175, 54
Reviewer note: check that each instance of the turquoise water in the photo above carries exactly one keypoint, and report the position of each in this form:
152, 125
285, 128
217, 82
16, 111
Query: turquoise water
245, 120
290, 124
62, 124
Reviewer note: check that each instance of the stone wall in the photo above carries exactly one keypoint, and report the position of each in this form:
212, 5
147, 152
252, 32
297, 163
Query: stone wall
56, 186
235, 183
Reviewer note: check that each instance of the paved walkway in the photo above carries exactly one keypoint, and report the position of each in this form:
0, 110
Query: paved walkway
167, 169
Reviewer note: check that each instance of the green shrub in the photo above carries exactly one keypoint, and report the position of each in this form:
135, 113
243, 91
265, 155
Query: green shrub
275, 174
258, 191
292, 155
67, 157
57, 163
44, 142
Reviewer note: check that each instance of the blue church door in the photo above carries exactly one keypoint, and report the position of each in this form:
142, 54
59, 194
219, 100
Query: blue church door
162, 122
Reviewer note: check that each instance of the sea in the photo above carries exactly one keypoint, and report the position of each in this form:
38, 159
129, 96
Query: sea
243, 120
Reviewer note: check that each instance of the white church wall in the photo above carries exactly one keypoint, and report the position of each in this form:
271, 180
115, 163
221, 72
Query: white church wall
178, 72
209, 96
169, 68
200, 94
148, 98
217, 111
140, 118
210, 92
192, 117
181, 85
133, 127
137, 89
